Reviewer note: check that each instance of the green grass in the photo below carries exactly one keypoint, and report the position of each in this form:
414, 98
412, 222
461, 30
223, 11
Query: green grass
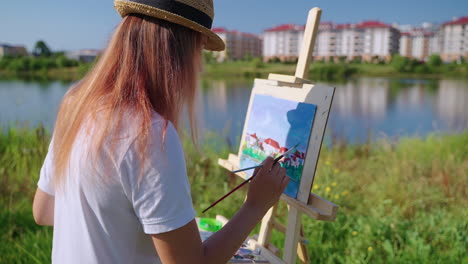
399, 202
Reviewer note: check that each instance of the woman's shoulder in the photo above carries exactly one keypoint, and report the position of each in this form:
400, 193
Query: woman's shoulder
161, 126
161, 132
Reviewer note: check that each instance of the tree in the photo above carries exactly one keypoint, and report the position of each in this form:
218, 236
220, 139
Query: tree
41, 49
257, 63
434, 60
403, 64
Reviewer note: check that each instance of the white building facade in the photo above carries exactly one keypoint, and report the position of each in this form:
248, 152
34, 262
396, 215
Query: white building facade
367, 40
371, 40
282, 42
326, 41
379, 40
454, 43
349, 41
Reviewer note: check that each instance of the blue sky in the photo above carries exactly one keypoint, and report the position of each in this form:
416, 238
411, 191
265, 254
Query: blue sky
67, 24
287, 122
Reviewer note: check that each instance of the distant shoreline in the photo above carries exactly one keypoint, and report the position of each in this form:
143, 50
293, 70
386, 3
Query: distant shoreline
248, 70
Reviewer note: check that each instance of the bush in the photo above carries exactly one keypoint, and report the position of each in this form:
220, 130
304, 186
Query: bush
64, 62
434, 60
421, 68
257, 63
332, 71
274, 60
403, 64
19, 64
4, 62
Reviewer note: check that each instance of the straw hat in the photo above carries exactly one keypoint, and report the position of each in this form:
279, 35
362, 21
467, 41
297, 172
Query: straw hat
195, 14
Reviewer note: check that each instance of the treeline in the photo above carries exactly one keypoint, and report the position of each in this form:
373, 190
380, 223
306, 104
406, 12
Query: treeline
398, 65
42, 58
342, 68
31, 63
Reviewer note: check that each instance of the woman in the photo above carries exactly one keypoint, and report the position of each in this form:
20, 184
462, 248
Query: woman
114, 183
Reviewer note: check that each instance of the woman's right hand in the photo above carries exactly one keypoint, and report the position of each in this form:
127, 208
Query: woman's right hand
267, 187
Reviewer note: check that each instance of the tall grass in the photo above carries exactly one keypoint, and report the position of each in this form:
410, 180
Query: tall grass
399, 202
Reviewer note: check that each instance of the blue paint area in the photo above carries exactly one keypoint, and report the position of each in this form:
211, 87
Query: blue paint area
292, 189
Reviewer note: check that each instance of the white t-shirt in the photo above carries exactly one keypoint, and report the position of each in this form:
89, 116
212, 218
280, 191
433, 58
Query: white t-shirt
108, 221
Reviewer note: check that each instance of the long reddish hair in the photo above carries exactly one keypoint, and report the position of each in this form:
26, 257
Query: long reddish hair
148, 65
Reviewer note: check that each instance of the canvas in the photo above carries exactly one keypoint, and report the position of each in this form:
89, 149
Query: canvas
274, 126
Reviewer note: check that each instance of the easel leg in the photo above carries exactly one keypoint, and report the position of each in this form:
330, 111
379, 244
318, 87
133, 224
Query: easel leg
302, 249
292, 235
267, 227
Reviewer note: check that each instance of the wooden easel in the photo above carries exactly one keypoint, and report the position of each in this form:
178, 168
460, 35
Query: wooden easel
300, 89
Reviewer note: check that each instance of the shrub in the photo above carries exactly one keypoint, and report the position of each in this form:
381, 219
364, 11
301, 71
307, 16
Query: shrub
64, 62
257, 63
404, 64
434, 60
19, 64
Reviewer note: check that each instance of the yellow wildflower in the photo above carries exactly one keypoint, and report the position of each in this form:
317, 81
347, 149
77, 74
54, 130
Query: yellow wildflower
344, 193
328, 189
337, 196
370, 249
336, 171
328, 163
316, 187
334, 184
354, 233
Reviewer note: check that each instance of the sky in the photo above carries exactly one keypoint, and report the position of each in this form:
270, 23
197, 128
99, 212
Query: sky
71, 25
287, 122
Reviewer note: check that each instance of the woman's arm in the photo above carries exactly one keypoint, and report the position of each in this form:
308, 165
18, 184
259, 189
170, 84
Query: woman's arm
184, 245
43, 208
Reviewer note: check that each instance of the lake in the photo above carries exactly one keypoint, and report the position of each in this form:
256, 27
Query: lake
364, 109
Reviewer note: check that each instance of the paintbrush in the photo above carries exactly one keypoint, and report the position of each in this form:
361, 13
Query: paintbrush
249, 179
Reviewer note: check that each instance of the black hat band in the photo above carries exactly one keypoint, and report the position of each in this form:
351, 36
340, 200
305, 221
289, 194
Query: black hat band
180, 9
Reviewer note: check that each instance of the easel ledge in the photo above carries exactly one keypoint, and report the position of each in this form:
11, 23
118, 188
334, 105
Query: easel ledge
317, 207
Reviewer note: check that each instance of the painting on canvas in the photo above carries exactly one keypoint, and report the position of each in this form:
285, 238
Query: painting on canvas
274, 126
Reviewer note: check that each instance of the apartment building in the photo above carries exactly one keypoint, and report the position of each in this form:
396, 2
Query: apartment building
239, 45
10, 50
85, 55
454, 39
418, 44
405, 44
349, 42
326, 41
379, 40
368, 40
283, 42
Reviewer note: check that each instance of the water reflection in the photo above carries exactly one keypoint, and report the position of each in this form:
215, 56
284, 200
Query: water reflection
364, 108
370, 108
452, 104
362, 98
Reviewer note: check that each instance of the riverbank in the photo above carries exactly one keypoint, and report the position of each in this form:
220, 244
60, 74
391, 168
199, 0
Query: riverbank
324, 71
401, 202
